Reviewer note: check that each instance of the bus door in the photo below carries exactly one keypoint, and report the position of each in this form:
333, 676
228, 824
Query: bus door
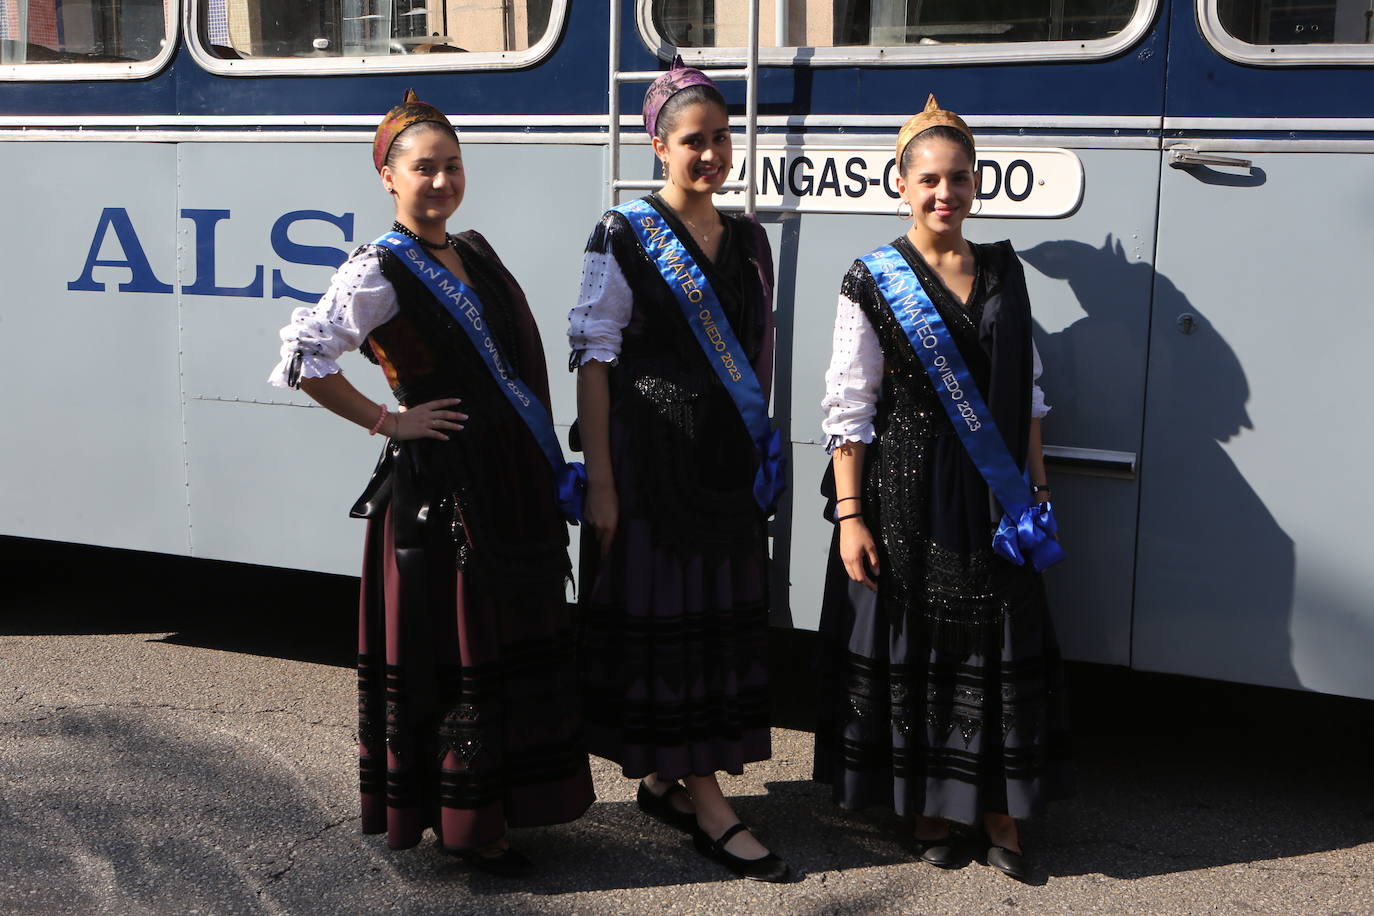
1254, 494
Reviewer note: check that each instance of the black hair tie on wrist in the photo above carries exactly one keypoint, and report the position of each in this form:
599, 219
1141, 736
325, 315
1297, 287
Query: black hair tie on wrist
850, 515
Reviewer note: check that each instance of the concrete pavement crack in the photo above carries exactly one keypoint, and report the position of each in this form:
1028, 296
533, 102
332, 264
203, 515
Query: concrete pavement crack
291, 849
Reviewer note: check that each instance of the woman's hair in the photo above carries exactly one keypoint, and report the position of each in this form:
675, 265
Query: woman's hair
938, 132
407, 137
680, 101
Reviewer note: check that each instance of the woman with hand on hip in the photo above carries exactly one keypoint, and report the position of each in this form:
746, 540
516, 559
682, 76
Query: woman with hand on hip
672, 340
468, 721
942, 683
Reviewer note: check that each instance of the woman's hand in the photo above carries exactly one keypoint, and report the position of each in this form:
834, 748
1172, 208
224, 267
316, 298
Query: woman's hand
426, 421
601, 510
859, 552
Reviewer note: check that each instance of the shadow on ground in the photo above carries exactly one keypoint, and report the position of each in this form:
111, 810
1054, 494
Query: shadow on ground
1175, 774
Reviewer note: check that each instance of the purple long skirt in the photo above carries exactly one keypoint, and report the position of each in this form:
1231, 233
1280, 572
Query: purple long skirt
673, 656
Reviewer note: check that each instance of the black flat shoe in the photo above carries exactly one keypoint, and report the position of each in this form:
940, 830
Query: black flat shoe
1011, 864
942, 852
769, 868
508, 863
660, 807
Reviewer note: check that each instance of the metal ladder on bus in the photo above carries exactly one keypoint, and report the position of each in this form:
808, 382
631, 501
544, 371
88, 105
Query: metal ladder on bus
617, 77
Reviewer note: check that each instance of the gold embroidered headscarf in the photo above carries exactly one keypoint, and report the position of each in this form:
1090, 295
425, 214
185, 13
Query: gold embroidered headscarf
933, 116
410, 112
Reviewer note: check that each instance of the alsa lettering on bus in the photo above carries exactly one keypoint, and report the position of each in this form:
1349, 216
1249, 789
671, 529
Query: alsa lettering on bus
115, 222
1028, 182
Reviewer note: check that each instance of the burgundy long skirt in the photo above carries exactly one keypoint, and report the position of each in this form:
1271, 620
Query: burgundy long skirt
468, 703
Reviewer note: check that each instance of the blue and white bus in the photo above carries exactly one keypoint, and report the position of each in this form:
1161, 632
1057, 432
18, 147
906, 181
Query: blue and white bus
1190, 182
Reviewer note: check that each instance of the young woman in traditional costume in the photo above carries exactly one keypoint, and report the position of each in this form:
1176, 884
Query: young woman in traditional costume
672, 339
942, 683
468, 720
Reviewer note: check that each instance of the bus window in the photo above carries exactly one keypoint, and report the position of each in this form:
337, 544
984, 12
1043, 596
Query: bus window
129, 37
1290, 32
297, 35
882, 31
1275, 22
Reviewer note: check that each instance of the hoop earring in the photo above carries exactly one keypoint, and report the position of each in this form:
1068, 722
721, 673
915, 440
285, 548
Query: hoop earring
978, 202
904, 216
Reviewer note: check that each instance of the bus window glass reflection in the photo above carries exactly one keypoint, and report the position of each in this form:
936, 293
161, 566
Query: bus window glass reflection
95, 31
889, 23
248, 29
1298, 22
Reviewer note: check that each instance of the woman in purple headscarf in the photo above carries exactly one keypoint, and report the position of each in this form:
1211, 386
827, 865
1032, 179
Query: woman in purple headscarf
467, 707
674, 562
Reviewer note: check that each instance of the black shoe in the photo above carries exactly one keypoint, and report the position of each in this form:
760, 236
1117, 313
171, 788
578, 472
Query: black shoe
508, 863
942, 852
769, 868
1011, 864
660, 807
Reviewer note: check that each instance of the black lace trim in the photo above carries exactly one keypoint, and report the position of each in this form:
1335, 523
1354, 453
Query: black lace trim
944, 698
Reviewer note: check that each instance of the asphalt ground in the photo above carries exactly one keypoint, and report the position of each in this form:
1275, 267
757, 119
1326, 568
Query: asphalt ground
177, 737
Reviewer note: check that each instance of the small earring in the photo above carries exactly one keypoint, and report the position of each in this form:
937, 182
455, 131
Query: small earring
978, 198
907, 214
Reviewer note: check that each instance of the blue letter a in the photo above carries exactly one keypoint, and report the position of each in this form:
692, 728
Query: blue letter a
141, 279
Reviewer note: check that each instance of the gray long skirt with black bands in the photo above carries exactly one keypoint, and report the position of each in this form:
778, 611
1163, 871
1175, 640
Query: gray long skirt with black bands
917, 730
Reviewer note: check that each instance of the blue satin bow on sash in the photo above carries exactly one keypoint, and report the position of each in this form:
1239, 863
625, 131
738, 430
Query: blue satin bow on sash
460, 301
1027, 530
700, 306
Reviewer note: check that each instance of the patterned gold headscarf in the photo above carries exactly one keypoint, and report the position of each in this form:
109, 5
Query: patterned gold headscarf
410, 112
932, 116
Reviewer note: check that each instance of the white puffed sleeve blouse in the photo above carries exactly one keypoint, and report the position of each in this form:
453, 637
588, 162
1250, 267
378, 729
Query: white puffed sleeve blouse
856, 373
359, 300
604, 306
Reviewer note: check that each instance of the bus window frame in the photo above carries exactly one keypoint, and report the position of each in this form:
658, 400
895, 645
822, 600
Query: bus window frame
84, 72
1243, 52
361, 66
906, 55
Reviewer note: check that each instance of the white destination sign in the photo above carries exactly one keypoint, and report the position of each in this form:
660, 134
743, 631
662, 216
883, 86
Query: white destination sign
1030, 182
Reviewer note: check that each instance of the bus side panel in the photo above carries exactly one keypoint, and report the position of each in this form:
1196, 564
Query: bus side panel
1252, 562
244, 208
264, 217
1090, 278
93, 454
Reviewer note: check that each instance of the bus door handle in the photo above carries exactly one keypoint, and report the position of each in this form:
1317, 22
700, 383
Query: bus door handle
1091, 461
1185, 157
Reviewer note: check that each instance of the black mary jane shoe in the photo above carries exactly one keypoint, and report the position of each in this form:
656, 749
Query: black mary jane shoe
1011, 864
508, 863
942, 852
770, 868
660, 807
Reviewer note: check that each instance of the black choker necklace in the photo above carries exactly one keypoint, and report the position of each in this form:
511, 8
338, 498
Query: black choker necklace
396, 226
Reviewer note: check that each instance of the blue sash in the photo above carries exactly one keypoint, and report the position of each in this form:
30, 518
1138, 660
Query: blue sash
462, 303
693, 294
1027, 529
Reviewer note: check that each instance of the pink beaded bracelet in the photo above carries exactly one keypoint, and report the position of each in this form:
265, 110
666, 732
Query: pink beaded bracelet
377, 427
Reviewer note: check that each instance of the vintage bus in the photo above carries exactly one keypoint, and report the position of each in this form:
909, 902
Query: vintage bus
1190, 184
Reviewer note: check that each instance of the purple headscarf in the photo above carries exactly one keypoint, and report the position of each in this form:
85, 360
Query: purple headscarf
675, 79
